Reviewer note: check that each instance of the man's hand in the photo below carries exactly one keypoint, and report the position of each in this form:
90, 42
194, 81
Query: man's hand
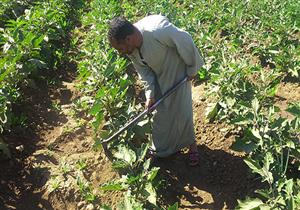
149, 102
191, 77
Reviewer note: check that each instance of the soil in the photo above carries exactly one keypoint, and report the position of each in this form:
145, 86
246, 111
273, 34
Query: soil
54, 152
288, 92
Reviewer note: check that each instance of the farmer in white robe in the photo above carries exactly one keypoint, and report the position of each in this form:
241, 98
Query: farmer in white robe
162, 54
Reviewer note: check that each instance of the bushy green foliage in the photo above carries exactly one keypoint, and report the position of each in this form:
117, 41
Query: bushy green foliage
249, 47
31, 43
12, 9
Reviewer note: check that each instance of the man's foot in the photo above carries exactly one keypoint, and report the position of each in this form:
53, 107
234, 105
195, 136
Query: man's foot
193, 155
151, 154
193, 158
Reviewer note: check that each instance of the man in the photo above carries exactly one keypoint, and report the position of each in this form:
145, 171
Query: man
162, 54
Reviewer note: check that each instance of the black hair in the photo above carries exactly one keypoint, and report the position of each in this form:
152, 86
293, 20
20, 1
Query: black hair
119, 28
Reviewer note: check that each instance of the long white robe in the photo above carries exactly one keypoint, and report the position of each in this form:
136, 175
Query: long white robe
166, 56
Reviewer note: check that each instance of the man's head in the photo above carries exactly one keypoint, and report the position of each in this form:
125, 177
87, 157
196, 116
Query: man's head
122, 35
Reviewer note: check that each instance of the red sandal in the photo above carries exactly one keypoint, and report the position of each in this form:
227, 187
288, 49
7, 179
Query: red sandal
193, 158
151, 154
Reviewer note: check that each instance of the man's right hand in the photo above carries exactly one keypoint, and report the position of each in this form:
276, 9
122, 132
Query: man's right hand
191, 77
149, 102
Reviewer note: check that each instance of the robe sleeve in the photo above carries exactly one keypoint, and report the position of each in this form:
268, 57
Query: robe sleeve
171, 36
148, 78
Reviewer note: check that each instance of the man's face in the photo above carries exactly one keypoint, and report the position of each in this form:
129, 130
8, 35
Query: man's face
124, 47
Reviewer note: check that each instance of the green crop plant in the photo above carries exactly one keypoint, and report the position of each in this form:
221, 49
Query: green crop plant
54, 183
81, 164
86, 190
30, 43
13, 9
65, 168
19, 120
272, 144
138, 181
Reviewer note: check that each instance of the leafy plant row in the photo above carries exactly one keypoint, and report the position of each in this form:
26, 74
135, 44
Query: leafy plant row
271, 142
245, 73
267, 38
248, 49
32, 42
13, 9
104, 75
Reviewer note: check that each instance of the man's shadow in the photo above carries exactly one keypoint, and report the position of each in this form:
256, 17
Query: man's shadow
221, 176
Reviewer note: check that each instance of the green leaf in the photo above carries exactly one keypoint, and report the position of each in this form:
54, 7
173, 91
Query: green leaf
125, 153
264, 193
297, 197
142, 131
255, 133
278, 123
97, 107
37, 41
40, 64
152, 174
130, 203
97, 145
105, 208
295, 124
266, 174
255, 105
294, 109
249, 204
268, 159
245, 104
142, 151
123, 93
104, 134
202, 74
290, 144
280, 184
114, 186
131, 179
289, 187
100, 93
6, 47
143, 122
146, 165
291, 203
240, 120
98, 120
173, 207
274, 51
230, 101
120, 164
152, 193
265, 207
243, 145
256, 168
211, 110
271, 91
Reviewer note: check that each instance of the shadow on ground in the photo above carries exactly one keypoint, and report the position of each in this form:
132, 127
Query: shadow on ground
216, 183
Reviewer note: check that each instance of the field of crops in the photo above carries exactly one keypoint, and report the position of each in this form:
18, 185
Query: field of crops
63, 90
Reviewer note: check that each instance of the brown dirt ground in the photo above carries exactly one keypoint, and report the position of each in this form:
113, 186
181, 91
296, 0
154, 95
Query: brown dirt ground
288, 92
56, 139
